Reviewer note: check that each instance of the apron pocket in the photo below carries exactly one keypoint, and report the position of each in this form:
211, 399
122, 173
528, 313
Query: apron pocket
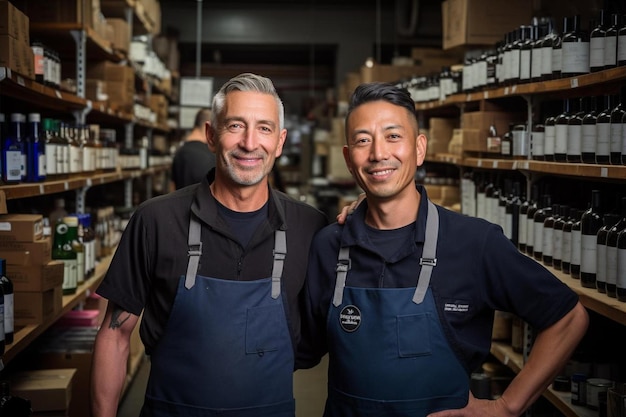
413, 335
263, 325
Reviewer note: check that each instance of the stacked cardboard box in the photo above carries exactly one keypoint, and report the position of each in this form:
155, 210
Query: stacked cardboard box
37, 280
15, 51
120, 82
49, 390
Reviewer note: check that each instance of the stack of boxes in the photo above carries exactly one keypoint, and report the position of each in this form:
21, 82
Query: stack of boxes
119, 81
15, 51
37, 280
49, 391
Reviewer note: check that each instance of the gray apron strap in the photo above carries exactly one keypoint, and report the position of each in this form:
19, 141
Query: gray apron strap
343, 265
194, 251
429, 255
280, 252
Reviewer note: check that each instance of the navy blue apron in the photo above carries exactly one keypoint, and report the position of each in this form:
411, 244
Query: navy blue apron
227, 350
388, 355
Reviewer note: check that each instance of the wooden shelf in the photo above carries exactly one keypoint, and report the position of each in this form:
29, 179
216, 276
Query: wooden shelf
27, 334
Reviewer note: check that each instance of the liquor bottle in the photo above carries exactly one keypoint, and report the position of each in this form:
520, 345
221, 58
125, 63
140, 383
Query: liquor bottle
7, 291
557, 237
530, 220
64, 136
89, 240
575, 50
506, 144
560, 139
566, 242
526, 47
35, 150
610, 42
50, 153
538, 142
591, 222
557, 50
608, 221
575, 131
590, 132
64, 235
603, 130
597, 40
536, 54
621, 43
617, 114
538, 219
78, 246
13, 156
548, 235
611, 251
575, 254
75, 162
38, 61
549, 138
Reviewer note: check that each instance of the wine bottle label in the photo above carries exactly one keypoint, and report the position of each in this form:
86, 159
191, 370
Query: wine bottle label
621, 48
548, 239
600, 262
566, 248
508, 226
596, 52
610, 50
549, 140
530, 229
557, 60
588, 254
13, 167
537, 145
538, 237
9, 313
588, 144
576, 247
621, 268
557, 244
611, 265
480, 206
615, 144
521, 233
546, 60
623, 141
575, 58
524, 71
574, 139
603, 140
515, 64
560, 140
536, 63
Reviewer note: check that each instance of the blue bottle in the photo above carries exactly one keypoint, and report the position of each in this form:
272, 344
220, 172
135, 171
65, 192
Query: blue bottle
13, 155
35, 150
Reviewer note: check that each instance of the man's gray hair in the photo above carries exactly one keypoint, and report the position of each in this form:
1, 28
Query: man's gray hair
246, 82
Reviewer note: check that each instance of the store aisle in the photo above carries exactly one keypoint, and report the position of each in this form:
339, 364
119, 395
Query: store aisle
309, 391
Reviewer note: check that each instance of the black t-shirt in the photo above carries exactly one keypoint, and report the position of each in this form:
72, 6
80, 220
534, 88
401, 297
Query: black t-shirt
191, 163
152, 254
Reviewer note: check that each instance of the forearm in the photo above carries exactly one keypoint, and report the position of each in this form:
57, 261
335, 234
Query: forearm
550, 352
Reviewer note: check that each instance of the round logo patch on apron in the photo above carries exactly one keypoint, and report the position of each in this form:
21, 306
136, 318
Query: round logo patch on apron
350, 318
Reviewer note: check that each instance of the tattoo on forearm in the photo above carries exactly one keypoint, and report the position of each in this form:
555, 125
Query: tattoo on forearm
116, 317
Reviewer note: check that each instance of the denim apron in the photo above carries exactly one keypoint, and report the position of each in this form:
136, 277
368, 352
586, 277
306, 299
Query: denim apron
388, 355
227, 350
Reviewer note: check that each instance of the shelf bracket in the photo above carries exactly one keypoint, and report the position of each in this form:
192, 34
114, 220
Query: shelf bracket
80, 37
80, 116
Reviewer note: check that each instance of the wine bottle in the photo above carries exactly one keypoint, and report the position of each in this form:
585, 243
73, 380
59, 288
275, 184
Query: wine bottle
590, 224
575, 254
575, 132
13, 156
603, 131
575, 50
515, 55
480, 197
560, 139
548, 235
522, 233
512, 208
611, 251
621, 267
538, 219
557, 50
536, 53
35, 150
608, 221
566, 248
7, 291
546, 50
621, 43
538, 142
64, 235
610, 42
2, 336
597, 40
530, 220
590, 132
526, 47
623, 149
617, 114
549, 138
557, 237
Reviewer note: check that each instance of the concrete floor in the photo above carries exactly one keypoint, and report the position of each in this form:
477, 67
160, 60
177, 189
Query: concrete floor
309, 391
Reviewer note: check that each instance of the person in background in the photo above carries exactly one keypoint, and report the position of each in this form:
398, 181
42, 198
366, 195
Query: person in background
217, 271
193, 159
402, 296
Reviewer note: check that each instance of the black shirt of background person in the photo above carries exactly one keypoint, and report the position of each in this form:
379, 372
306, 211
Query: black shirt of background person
192, 162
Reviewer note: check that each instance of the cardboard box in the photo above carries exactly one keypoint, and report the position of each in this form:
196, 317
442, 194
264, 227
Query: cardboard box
482, 120
110, 71
47, 389
440, 134
26, 253
9, 20
35, 307
10, 53
96, 90
336, 168
21, 227
58, 11
121, 34
481, 22
36, 278
390, 73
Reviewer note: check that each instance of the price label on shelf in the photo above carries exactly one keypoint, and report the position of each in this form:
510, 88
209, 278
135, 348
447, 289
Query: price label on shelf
573, 82
604, 172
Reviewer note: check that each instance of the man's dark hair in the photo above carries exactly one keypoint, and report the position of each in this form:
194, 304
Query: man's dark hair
203, 116
379, 91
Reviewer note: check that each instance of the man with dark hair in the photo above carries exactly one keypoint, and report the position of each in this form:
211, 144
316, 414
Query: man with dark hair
217, 270
193, 160
402, 297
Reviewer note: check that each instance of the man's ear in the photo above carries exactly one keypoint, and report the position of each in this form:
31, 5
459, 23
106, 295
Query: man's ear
421, 145
210, 135
346, 157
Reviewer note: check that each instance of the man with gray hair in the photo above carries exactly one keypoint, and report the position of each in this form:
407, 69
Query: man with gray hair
216, 270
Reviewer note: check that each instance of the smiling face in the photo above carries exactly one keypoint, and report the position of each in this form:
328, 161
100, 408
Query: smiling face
383, 149
247, 139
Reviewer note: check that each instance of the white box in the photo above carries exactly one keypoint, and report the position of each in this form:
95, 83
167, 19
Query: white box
196, 91
186, 117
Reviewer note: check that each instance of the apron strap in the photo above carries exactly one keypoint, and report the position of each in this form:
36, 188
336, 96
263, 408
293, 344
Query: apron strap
429, 255
194, 251
343, 266
280, 253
